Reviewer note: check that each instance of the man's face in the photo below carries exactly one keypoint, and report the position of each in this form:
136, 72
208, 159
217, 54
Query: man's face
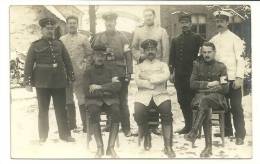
222, 24
185, 25
48, 31
72, 26
149, 18
208, 53
110, 25
99, 58
150, 53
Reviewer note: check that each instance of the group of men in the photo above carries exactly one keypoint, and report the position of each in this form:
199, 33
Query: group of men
99, 75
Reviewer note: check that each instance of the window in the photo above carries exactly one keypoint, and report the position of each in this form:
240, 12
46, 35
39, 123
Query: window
199, 24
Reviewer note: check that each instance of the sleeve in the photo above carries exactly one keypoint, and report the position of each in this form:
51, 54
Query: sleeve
172, 56
86, 84
195, 82
135, 46
161, 77
165, 46
28, 68
112, 87
67, 63
140, 82
238, 46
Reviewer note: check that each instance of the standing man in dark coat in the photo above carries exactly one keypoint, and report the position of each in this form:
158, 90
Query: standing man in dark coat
48, 68
116, 44
184, 50
101, 87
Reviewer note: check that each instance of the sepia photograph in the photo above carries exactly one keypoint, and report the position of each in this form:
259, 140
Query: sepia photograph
130, 81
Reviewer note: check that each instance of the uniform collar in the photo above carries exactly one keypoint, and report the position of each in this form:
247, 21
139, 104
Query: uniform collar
225, 32
151, 62
209, 63
187, 32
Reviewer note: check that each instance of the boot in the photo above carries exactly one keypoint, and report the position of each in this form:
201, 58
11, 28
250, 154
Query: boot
99, 141
207, 152
147, 141
192, 135
82, 110
167, 137
112, 139
71, 115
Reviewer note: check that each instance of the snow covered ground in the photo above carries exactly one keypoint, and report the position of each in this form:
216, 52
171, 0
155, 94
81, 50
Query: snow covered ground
24, 135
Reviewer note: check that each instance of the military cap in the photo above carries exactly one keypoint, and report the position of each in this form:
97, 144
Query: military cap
99, 48
46, 21
109, 16
184, 16
221, 14
149, 43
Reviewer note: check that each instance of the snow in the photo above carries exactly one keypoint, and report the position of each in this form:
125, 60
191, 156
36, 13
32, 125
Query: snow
24, 134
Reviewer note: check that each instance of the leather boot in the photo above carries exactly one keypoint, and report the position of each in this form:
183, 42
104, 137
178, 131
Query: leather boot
82, 110
192, 135
71, 115
147, 141
99, 141
167, 137
112, 139
207, 152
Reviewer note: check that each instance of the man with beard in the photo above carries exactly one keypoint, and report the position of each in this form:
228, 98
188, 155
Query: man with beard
151, 31
48, 68
209, 80
151, 76
115, 43
184, 50
80, 52
229, 50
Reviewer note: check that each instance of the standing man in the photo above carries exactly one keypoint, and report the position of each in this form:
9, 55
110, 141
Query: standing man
184, 50
229, 50
48, 68
115, 43
150, 31
80, 52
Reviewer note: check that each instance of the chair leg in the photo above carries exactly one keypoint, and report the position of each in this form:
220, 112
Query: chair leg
222, 128
88, 129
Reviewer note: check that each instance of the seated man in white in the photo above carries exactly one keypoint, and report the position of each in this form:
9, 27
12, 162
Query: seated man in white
151, 77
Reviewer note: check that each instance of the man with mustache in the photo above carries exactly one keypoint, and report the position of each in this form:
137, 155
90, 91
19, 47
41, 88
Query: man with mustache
80, 52
209, 81
48, 68
151, 31
229, 50
116, 44
151, 76
184, 50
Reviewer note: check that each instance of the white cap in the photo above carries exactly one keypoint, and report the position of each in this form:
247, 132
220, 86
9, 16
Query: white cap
222, 12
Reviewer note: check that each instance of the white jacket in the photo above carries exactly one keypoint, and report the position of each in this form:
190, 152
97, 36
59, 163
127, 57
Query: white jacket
158, 73
229, 48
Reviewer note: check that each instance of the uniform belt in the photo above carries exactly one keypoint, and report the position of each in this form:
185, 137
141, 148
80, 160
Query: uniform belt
54, 65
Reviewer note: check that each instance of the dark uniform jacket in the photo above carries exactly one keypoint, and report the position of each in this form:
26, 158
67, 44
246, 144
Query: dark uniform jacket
203, 73
101, 75
48, 65
184, 50
116, 41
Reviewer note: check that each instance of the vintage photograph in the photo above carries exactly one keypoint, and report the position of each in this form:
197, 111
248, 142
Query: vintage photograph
130, 82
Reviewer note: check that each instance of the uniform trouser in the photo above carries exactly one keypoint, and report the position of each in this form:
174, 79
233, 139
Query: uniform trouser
235, 97
124, 110
141, 112
95, 110
59, 99
184, 96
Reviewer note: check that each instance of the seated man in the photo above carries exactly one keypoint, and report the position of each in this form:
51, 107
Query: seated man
101, 89
209, 80
151, 78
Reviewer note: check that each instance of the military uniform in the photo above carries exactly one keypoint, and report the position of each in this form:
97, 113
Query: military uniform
207, 99
121, 62
184, 50
48, 68
80, 52
104, 99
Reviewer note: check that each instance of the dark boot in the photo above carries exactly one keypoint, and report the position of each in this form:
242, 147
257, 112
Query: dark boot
167, 137
207, 152
99, 141
147, 140
82, 110
112, 139
192, 135
71, 115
